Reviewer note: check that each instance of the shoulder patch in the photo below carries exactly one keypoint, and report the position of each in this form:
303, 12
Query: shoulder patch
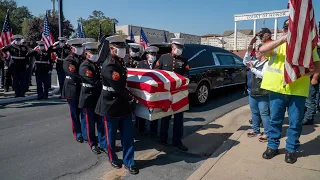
115, 76
89, 73
72, 68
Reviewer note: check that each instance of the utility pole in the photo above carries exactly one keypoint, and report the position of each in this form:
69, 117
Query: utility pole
53, 6
60, 19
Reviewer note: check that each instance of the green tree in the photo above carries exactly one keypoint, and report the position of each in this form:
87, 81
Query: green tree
92, 24
33, 28
17, 15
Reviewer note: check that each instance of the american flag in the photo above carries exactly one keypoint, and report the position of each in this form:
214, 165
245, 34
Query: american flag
302, 39
47, 36
131, 34
6, 35
143, 39
80, 31
165, 37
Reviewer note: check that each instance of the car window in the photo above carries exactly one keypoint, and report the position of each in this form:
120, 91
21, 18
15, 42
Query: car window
198, 57
238, 60
226, 59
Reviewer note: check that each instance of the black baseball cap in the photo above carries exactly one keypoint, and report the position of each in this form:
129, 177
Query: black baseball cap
264, 30
286, 23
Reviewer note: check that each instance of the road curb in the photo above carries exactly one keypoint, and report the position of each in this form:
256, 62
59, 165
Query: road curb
218, 154
27, 98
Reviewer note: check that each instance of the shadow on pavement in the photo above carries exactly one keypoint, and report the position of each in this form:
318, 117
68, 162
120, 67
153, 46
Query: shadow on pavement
26, 104
220, 97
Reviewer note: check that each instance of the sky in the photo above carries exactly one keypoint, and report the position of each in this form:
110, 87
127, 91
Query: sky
196, 17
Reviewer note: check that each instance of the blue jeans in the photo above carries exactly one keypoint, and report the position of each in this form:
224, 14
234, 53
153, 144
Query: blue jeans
127, 138
311, 103
259, 106
278, 105
318, 98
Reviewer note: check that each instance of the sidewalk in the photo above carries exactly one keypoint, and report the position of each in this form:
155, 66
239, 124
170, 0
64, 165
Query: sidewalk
240, 158
8, 97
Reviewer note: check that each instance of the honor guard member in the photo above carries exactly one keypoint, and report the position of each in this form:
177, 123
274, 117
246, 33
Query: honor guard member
174, 62
150, 63
62, 50
115, 105
72, 87
89, 95
135, 53
42, 69
19, 54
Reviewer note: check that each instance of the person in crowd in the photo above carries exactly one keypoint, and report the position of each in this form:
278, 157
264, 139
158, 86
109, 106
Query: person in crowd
1, 71
176, 63
42, 70
258, 98
150, 63
19, 54
311, 104
89, 95
30, 64
116, 105
135, 53
62, 50
291, 97
72, 87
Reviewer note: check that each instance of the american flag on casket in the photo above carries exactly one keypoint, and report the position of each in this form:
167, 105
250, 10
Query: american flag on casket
159, 93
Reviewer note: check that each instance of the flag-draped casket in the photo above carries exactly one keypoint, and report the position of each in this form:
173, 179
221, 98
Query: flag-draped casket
159, 93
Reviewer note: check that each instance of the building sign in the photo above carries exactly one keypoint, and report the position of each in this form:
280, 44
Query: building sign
262, 15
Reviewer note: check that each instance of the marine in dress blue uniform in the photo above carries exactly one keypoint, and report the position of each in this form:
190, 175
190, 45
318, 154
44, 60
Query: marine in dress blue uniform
150, 63
89, 95
19, 54
134, 57
72, 87
174, 62
62, 50
42, 69
115, 105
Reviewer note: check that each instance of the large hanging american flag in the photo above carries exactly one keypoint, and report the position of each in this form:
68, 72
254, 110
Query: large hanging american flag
47, 36
80, 32
302, 39
131, 34
143, 39
6, 35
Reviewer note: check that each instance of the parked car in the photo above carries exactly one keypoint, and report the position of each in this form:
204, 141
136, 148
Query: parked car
210, 68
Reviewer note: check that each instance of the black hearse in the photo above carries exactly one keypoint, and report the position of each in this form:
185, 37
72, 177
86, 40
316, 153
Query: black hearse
210, 68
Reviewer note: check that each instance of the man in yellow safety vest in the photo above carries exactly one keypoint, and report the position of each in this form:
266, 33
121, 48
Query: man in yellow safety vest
292, 96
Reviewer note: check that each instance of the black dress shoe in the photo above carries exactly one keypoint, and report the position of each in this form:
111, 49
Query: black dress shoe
80, 139
103, 150
95, 149
181, 147
132, 170
116, 165
270, 153
290, 158
250, 121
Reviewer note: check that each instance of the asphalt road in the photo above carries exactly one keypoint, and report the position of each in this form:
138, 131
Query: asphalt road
37, 142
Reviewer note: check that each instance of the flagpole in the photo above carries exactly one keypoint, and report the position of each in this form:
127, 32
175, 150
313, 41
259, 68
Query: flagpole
60, 18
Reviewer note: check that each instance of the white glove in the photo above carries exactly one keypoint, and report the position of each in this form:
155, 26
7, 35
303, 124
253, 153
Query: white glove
49, 72
56, 44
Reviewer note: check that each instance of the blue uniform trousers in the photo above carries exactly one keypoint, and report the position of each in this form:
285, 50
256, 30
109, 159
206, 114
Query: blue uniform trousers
78, 120
141, 125
127, 138
19, 82
61, 78
42, 85
91, 119
177, 128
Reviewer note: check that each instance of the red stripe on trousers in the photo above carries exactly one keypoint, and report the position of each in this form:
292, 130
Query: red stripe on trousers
88, 126
73, 130
107, 135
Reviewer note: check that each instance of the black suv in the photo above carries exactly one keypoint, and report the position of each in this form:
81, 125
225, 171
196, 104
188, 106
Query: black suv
210, 68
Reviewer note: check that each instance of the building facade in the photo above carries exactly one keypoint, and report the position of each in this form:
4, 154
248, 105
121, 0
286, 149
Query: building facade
226, 40
156, 35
